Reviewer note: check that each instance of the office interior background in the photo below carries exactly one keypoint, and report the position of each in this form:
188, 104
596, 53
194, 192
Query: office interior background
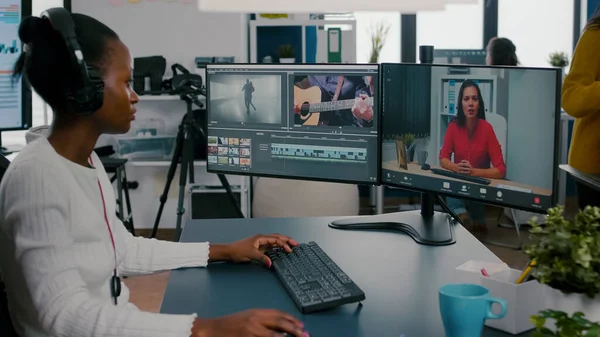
181, 34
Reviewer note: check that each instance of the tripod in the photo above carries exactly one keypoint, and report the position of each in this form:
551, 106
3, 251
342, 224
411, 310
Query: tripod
183, 153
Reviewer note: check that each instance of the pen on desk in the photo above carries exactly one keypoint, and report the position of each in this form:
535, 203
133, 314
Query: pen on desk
484, 272
525, 272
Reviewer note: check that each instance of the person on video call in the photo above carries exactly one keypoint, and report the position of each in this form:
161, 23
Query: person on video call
61, 243
501, 52
248, 89
581, 99
473, 142
350, 87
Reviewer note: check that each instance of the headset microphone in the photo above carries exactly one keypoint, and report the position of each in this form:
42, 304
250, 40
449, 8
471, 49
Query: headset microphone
88, 98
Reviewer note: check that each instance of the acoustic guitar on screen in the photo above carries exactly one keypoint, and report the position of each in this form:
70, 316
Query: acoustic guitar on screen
311, 106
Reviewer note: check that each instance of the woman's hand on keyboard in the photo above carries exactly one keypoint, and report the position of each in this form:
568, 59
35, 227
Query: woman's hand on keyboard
250, 323
254, 248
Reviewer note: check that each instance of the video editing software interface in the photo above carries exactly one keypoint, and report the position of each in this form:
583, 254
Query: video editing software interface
485, 133
298, 120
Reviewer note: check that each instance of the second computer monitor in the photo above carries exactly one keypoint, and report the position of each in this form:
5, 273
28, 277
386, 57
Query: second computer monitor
474, 132
312, 122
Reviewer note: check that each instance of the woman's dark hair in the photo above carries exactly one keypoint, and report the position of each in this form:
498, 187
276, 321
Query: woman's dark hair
460, 118
502, 52
46, 64
594, 21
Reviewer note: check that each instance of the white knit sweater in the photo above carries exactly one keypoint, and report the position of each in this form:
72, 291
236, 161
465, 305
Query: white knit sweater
56, 256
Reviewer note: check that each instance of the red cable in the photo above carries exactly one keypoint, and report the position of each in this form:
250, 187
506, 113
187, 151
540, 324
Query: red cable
112, 239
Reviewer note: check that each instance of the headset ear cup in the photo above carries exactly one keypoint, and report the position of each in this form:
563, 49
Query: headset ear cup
91, 97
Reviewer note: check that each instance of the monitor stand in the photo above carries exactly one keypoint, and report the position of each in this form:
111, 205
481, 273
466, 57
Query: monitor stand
425, 226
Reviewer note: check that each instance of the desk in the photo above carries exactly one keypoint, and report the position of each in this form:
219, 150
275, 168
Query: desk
589, 179
415, 168
399, 277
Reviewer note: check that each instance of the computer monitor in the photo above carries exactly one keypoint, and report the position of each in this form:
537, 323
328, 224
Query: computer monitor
459, 56
15, 97
501, 123
294, 121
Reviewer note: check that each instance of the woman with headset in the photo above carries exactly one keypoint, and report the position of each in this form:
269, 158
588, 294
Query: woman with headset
62, 249
471, 140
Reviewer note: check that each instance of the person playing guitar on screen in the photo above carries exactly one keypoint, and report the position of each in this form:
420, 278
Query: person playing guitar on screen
334, 89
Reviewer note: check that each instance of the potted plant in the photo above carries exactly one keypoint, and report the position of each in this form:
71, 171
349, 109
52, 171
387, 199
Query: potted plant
567, 260
575, 325
286, 54
378, 36
559, 60
409, 140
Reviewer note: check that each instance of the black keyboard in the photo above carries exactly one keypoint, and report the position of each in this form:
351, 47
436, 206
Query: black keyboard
312, 279
451, 174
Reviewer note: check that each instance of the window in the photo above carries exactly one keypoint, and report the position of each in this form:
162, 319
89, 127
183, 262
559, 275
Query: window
365, 23
18, 137
537, 28
460, 26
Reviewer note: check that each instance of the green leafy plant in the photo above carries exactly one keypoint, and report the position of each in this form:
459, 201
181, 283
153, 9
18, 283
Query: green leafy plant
409, 138
566, 326
559, 59
378, 36
567, 252
285, 51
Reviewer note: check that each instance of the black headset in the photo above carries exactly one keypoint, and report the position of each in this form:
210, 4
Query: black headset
89, 98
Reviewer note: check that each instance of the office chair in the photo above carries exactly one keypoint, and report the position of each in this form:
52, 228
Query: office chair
6, 327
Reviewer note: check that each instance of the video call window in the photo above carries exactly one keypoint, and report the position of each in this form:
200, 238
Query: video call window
482, 133
301, 121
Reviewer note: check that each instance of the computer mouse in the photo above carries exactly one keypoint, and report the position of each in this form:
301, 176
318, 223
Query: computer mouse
426, 167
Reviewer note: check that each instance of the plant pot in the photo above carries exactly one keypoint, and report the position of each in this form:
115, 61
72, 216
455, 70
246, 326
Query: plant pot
410, 154
287, 60
570, 304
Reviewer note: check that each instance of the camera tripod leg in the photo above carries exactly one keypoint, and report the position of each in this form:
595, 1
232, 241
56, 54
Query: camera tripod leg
187, 161
170, 175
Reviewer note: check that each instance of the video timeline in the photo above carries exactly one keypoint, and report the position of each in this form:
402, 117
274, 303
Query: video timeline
319, 153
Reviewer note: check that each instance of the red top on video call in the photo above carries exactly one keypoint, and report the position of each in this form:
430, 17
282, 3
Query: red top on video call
479, 150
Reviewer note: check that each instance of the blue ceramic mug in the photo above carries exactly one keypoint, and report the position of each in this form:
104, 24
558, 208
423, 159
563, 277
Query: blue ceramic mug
465, 307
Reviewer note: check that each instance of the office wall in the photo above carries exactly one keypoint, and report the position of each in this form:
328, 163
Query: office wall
458, 26
531, 127
177, 31
537, 28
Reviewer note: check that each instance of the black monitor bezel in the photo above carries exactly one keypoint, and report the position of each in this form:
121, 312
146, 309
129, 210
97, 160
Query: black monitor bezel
26, 103
557, 139
377, 181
